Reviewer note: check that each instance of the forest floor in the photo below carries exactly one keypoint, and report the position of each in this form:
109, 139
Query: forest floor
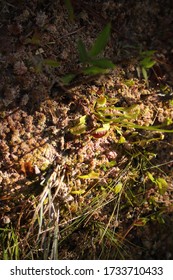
86, 169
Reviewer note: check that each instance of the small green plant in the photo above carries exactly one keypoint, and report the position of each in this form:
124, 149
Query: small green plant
108, 117
41, 63
161, 183
146, 62
95, 65
92, 64
10, 243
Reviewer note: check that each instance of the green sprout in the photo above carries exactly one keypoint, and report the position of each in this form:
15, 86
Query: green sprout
95, 65
146, 62
92, 64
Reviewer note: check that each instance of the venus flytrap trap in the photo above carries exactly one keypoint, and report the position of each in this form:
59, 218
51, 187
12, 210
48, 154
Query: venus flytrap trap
101, 131
159, 182
110, 118
80, 127
116, 188
51, 62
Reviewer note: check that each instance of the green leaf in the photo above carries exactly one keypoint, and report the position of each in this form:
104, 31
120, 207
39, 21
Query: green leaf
118, 188
91, 175
112, 163
148, 53
162, 185
101, 101
122, 140
101, 131
101, 41
129, 83
83, 55
50, 62
70, 9
141, 222
103, 63
80, 127
147, 62
66, 79
144, 73
138, 69
150, 176
82, 119
94, 70
78, 192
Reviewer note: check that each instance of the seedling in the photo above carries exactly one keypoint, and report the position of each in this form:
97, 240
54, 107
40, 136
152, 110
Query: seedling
146, 62
92, 64
95, 65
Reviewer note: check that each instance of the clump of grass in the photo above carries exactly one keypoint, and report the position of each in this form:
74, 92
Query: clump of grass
90, 218
10, 244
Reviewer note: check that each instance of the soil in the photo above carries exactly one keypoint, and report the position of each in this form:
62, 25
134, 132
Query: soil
43, 146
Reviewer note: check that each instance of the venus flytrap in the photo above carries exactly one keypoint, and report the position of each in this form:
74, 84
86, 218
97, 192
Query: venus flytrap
159, 182
108, 118
80, 127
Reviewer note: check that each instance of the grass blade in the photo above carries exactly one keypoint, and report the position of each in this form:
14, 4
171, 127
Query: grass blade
103, 63
94, 70
101, 41
83, 56
70, 10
